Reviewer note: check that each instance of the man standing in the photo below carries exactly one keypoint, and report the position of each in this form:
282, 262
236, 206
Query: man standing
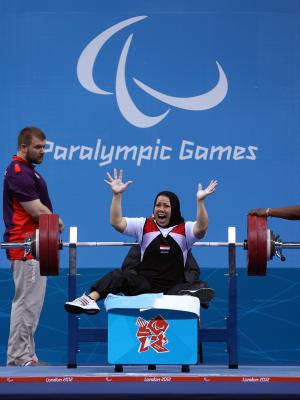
25, 198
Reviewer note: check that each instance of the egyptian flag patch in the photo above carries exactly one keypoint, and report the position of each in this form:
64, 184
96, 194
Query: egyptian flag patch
164, 249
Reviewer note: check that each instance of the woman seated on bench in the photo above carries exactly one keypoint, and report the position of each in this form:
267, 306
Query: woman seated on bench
164, 239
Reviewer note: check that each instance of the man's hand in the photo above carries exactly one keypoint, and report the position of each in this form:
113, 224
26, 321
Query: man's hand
202, 193
61, 225
116, 183
260, 212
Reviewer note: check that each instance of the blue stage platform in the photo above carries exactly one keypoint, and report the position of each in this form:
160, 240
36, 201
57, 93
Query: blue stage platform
101, 382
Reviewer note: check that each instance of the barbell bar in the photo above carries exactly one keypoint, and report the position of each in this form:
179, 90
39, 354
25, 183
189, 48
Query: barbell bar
261, 244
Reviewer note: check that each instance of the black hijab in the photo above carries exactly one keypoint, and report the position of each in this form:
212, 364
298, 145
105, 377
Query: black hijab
176, 217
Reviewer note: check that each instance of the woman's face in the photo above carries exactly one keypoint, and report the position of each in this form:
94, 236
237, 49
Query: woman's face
162, 211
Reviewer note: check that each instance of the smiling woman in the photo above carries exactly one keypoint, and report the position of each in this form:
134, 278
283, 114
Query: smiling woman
167, 209
164, 240
162, 211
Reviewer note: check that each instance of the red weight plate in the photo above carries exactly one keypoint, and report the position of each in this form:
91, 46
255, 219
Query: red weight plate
53, 244
252, 245
257, 245
262, 239
43, 244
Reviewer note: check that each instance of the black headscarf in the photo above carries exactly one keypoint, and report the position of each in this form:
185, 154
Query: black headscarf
176, 217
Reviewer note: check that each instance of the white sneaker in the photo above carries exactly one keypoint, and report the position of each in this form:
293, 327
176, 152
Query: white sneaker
36, 363
83, 304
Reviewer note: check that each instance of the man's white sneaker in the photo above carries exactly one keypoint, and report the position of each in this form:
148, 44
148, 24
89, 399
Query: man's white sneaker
83, 304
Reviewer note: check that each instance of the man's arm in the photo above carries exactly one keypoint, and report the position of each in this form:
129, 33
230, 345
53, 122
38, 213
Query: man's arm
35, 208
201, 224
292, 212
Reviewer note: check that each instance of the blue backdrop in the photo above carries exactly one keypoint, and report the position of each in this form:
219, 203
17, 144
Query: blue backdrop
175, 92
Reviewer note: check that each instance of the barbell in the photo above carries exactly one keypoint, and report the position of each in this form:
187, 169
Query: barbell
261, 245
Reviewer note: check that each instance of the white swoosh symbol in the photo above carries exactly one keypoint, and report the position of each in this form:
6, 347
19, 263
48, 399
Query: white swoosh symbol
195, 103
87, 58
125, 103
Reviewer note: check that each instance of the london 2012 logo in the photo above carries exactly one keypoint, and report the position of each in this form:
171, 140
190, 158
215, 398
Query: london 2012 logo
152, 334
130, 111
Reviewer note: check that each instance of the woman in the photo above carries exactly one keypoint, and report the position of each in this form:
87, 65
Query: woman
164, 239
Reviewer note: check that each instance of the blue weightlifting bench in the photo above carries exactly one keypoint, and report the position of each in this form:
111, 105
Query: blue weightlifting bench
228, 334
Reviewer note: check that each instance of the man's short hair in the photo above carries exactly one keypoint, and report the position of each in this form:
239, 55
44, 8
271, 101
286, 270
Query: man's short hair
26, 135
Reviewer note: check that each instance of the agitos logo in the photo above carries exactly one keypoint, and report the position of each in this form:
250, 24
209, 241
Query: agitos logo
127, 107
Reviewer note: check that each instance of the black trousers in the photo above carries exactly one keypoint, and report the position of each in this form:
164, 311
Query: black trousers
130, 283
